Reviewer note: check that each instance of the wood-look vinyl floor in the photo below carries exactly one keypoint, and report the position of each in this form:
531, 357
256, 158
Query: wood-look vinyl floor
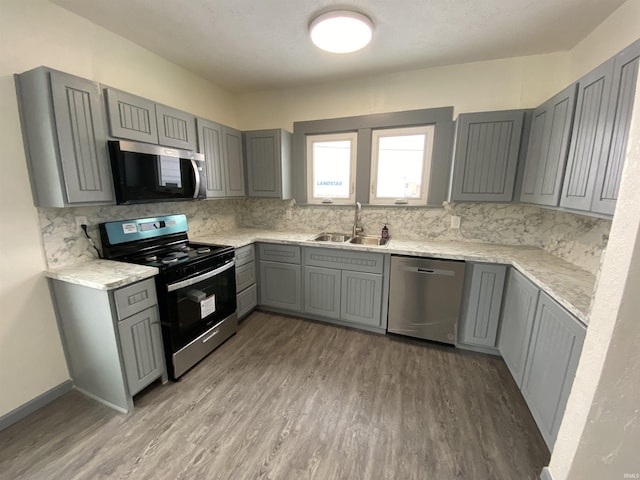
294, 399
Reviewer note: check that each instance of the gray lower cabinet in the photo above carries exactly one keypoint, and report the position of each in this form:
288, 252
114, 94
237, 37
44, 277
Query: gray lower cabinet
112, 339
344, 285
65, 139
280, 285
268, 161
519, 309
552, 361
482, 300
548, 149
141, 343
322, 291
361, 298
140, 119
222, 149
485, 156
246, 289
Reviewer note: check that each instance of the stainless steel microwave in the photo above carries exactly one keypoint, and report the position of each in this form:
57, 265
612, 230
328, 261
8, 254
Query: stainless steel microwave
145, 173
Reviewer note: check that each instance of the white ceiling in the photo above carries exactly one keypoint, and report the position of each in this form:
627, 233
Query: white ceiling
249, 45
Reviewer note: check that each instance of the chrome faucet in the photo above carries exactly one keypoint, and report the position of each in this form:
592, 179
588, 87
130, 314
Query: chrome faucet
357, 229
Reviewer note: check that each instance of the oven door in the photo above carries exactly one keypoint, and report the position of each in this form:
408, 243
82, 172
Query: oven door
198, 304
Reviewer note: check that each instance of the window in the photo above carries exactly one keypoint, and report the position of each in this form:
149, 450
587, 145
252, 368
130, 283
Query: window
331, 165
400, 165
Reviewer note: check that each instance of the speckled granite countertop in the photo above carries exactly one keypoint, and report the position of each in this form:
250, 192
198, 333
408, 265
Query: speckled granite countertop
569, 285
102, 274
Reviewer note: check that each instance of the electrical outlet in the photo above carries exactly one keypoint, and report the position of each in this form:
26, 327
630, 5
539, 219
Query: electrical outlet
289, 213
455, 222
82, 220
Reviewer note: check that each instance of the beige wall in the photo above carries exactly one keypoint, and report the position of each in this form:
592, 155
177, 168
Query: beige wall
33, 33
522, 82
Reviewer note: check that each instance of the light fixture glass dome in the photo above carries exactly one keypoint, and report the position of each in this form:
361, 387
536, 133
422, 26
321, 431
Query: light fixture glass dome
341, 31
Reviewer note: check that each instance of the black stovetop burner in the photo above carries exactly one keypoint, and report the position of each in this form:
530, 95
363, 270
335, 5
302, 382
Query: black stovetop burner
162, 257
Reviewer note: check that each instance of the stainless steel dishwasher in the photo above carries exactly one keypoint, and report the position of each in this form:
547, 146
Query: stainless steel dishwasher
425, 297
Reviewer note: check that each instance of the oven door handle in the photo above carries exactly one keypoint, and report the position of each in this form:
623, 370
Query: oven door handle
190, 281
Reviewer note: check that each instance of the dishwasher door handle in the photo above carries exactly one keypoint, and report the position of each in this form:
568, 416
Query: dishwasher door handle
432, 271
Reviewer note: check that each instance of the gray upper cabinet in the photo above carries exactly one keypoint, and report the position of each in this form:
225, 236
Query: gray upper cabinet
552, 361
234, 161
485, 156
268, 160
587, 140
520, 299
222, 149
131, 117
481, 305
625, 74
548, 149
176, 128
601, 127
143, 120
65, 139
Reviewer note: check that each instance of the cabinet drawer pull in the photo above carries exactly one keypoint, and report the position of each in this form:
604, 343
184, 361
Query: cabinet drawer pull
210, 336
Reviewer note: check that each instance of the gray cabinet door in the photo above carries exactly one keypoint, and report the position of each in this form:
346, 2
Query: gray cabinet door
245, 276
131, 117
268, 160
141, 344
625, 74
247, 300
210, 145
588, 137
486, 156
520, 299
481, 309
322, 287
82, 139
361, 298
552, 360
233, 161
548, 149
280, 286
176, 128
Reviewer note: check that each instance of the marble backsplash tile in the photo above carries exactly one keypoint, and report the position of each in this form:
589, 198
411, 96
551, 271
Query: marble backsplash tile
575, 238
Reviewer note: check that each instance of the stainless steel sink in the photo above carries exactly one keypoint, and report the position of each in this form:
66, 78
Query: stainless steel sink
331, 237
369, 240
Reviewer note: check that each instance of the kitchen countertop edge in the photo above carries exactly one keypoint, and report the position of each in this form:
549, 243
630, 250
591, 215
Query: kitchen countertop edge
102, 274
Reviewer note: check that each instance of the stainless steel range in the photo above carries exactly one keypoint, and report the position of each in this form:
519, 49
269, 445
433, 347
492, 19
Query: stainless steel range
196, 285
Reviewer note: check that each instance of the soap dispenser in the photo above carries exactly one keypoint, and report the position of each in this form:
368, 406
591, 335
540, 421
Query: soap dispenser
385, 232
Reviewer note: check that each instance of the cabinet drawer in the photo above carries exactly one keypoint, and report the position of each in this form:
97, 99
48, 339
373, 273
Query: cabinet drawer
247, 300
245, 276
135, 298
245, 255
344, 259
279, 253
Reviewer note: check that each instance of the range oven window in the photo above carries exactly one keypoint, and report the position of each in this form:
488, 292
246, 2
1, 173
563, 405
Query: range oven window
196, 307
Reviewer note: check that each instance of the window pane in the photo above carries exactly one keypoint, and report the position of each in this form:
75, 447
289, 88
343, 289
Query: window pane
331, 169
400, 163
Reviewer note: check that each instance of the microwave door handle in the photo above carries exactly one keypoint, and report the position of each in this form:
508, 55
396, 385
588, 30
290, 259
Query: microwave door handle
194, 164
191, 281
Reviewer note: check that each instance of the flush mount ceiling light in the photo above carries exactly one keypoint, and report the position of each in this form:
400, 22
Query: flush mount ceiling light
341, 31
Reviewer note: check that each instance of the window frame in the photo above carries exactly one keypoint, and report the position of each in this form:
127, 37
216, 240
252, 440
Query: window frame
327, 137
439, 181
427, 157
